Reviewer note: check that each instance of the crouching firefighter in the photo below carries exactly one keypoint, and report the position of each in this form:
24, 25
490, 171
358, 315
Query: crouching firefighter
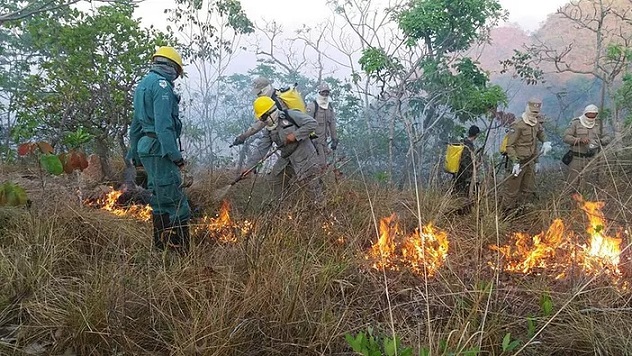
154, 135
290, 131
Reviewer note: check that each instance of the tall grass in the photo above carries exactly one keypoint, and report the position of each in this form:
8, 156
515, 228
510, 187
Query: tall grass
80, 281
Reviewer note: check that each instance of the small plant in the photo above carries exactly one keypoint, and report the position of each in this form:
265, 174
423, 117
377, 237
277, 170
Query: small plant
369, 345
509, 344
530, 327
44, 153
12, 194
546, 304
76, 139
51, 163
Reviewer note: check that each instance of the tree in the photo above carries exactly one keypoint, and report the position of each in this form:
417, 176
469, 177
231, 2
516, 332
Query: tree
22, 9
417, 66
88, 67
210, 33
590, 38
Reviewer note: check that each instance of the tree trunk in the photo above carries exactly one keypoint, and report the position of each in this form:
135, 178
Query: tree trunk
102, 150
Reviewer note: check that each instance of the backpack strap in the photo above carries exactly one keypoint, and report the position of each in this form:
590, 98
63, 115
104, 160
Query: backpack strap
277, 101
289, 118
315, 108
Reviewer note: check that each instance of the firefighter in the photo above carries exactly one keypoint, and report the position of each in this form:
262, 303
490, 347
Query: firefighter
261, 86
290, 131
522, 152
585, 137
154, 144
463, 178
321, 110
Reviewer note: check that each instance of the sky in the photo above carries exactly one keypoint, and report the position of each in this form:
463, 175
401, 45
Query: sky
526, 13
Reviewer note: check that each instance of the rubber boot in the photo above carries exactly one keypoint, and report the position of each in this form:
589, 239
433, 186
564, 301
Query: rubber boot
180, 237
161, 225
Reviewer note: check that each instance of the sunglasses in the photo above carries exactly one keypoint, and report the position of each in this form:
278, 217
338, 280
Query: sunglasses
324, 93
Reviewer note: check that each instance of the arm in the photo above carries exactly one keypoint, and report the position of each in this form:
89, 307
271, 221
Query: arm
165, 130
569, 135
306, 124
310, 107
263, 146
134, 135
512, 136
332, 126
252, 130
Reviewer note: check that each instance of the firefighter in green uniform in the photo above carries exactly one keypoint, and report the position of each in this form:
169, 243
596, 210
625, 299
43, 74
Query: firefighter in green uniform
154, 136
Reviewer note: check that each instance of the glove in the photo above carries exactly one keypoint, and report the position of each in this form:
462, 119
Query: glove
516, 169
537, 167
546, 148
334, 145
239, 140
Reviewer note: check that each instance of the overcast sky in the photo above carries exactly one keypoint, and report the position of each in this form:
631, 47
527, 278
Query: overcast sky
527, 13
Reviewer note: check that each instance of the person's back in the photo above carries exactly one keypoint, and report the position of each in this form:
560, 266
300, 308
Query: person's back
463, 179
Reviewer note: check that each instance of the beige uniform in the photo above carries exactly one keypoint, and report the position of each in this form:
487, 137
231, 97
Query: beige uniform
577, 176
326, 119
521, 148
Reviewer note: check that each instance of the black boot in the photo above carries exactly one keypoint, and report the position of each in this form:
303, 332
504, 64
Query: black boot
161, 227
180, 237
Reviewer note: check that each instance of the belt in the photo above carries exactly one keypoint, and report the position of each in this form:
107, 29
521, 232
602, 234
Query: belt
150, 134
582, 155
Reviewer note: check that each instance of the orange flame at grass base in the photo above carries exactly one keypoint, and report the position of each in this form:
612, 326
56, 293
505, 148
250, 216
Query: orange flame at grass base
110, 203
222, 227
555, 251
421, 252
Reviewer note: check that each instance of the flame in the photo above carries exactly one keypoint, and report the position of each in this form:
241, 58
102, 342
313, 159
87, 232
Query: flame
557, 251
603, 250
422, 252
110, 203
222, 227
537, 252
426, 250
384, 250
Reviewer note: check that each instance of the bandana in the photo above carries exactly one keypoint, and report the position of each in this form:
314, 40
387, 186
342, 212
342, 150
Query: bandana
323, 101
530, 119
586, 121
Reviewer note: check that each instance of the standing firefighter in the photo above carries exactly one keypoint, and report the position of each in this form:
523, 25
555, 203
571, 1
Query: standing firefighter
463, 178
290, 131
154, 136
585, 138
261, 86
522, 142
321, 110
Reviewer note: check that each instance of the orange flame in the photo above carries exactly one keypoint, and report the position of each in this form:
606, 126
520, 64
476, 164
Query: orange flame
427, 250
109, 203
603, 250
527, 254
384, 250
222, 226
420, 252
556, 251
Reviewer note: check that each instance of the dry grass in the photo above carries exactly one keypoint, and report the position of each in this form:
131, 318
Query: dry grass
79, 281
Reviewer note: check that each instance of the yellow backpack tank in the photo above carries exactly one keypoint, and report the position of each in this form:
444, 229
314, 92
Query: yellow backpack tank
292, 98
503, 145
453, 154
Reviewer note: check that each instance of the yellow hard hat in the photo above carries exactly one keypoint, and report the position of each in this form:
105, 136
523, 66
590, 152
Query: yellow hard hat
169, 53
262, 105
